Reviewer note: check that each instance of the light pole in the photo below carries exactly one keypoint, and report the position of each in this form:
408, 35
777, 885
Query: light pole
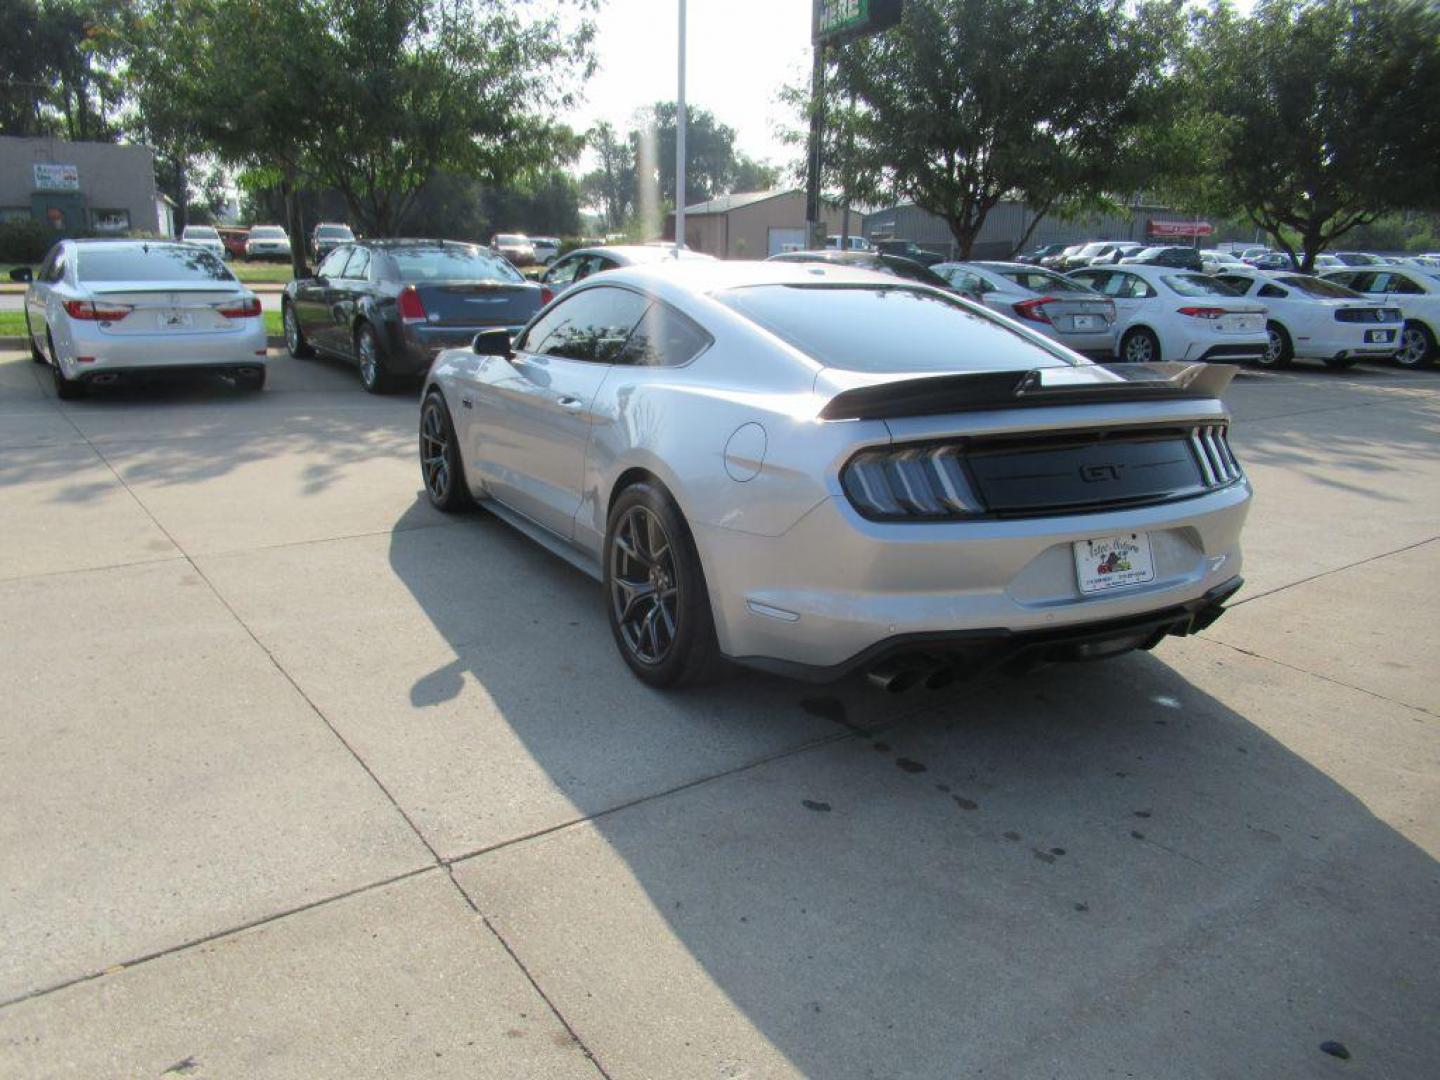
680, 144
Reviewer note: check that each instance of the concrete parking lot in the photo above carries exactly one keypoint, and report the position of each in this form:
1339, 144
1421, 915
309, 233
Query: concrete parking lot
303, 779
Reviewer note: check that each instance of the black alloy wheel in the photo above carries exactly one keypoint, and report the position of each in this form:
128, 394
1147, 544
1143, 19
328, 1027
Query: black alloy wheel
440, 468
374, 375
295, 341
658, 606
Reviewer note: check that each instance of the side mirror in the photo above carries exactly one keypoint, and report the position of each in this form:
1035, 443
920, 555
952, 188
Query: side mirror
491, 343
22, 273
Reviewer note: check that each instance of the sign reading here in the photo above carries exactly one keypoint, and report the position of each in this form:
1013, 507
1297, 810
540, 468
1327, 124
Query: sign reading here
56, 177
838, 20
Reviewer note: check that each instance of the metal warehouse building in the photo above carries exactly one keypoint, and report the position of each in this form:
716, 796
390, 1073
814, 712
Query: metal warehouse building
756, 224
82, 187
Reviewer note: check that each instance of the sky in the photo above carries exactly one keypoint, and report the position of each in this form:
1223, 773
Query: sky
740, 53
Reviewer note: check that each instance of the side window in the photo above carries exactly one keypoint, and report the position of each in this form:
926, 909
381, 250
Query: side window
1399, 283
1134, 288
1093, 280
1236, 282
664, 338
563, 272
358, 268
591, 325
47, 268
965, 281
1272, 292
334, 263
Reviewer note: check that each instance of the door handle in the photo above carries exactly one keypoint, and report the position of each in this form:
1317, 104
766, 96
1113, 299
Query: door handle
467, 402
570, 402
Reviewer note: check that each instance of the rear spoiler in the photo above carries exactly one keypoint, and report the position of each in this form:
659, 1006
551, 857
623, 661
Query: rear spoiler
1090, 383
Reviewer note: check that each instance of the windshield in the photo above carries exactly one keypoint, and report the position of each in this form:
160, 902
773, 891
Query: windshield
511, 240
1314, 286
267, 232
1043, 281
1093, 249
1197, 285
200, 232
886, 329
452, 264
335, 232
151, 262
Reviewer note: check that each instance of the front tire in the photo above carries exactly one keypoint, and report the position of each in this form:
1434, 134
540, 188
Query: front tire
656, 599
1279, 350
295, 341
441, 469
374, 375
1417, 345
1140, 346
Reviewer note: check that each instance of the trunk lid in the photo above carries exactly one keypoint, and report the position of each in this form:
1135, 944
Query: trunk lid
169, 307
479, 303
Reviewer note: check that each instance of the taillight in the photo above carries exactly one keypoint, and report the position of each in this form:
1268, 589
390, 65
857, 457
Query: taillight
88, 311
1034, 309
246, 309
546, 295
1204, 312
914, 482
412, 308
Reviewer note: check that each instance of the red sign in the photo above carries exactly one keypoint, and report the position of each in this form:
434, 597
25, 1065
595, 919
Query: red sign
1178, 228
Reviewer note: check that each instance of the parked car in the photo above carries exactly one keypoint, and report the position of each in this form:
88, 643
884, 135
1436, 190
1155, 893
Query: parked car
1327, 262
326, 237
206, 237
101, 311
267, 242
1213, 261
547, 248
855, 243
811, 469
878, 261
234, 240
389, 306
1178, 258
1170, 314
1097, 253
1272, 260
515, 247
1310, 317
1113, 253
1041, 299
1415, 292
1056, 261
581, 263
1358, 258
906, 249
1035, 256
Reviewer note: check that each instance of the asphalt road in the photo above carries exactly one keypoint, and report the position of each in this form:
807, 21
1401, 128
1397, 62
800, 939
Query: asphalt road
303, 779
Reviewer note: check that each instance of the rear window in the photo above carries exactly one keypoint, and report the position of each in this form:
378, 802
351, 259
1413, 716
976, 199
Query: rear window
1043, 281
335, 232
452, 264
885, 329
200, 232
1197, 285
1314, 286
168, 262
267, 232
511, 240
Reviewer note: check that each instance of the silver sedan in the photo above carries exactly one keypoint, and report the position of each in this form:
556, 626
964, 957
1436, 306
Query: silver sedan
813, 469
98, 311
1056, 306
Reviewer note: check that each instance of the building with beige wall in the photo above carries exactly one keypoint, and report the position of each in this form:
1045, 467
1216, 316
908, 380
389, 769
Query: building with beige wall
756, 224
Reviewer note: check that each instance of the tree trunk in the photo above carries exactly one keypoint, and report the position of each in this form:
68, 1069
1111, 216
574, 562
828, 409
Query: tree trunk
294, 227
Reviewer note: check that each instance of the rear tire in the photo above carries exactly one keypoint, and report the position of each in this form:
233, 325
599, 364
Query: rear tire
1140, 346
251, 380
441, 470
374, 375
1280, 350
65, 389
35, 353
655, 595
1417, 346
294, 337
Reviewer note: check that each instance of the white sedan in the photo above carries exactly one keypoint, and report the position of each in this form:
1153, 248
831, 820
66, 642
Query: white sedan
1415, 292
98, 311
1320, 319
1163, 313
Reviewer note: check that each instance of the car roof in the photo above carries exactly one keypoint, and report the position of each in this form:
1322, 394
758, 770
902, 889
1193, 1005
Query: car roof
700, 276
630, 254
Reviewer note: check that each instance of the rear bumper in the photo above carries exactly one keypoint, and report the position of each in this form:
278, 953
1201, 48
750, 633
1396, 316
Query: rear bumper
241, 347
1228, 351
1347, 340
415, 345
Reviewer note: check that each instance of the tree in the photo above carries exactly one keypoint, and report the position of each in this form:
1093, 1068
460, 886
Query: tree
59, 62
611, 185
968, 102
712, 165
1320, 114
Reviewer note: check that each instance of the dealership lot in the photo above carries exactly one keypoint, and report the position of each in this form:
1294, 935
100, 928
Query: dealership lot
305, 779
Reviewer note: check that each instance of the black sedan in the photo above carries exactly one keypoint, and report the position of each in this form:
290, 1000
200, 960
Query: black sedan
391, 305
896, 265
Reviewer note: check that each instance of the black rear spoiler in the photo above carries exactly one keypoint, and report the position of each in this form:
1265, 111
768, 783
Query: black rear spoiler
1092, 383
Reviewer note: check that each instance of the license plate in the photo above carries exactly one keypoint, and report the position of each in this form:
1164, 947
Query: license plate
1383, 337
1087, 322
1240, 324
174, 320
1113, 562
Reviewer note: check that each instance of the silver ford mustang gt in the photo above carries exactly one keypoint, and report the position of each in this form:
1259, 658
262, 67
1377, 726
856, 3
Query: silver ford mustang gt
811, 470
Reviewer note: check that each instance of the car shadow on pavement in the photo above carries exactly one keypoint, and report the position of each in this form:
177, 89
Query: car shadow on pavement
1094, 870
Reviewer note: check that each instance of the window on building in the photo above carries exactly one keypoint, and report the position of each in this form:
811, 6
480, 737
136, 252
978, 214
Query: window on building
110, 221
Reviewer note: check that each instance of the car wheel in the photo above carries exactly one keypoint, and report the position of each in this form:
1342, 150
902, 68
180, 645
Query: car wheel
1278, 349
1140, 346
35, 353
1417, 345
250, 378
655, 593
373, 374
65, 389
441, 469
294, 337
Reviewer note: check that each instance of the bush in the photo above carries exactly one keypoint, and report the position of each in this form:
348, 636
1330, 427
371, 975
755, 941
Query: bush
24, 240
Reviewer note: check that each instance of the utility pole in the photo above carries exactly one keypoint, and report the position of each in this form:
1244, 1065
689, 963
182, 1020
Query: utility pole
680, 144
814, 225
